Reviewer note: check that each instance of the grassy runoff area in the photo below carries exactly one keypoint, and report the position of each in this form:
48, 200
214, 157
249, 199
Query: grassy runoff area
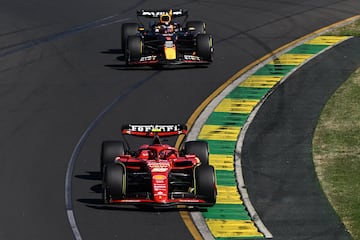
336, 146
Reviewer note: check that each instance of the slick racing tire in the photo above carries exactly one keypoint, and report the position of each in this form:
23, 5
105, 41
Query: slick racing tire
134, 49
204, 46
109, 151
196, 27
114, 181
205, 183
198, 148
127, 29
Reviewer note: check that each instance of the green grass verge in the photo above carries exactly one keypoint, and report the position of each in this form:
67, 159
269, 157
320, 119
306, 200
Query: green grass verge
352, 29
336, 147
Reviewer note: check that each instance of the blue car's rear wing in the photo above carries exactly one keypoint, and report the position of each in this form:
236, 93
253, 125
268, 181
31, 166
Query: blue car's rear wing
157, 13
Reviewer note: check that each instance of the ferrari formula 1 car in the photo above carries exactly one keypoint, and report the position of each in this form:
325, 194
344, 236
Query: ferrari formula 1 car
166, 41
157, 174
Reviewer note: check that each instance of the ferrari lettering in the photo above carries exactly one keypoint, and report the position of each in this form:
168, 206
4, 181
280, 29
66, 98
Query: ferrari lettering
154, 128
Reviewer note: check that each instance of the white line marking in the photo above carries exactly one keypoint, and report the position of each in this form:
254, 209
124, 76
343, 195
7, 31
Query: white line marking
75, 153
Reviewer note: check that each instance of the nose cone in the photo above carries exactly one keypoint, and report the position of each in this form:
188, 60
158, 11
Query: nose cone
160, 187
170, 51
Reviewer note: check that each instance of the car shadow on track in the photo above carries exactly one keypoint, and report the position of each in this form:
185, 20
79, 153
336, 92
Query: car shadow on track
90, 175
97, 203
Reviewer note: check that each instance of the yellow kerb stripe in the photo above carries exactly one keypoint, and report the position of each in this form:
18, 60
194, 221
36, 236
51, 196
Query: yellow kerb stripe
232, 228
223, 133
327, 40
261, 81
222, 161
228, 195
236, 105
291, 59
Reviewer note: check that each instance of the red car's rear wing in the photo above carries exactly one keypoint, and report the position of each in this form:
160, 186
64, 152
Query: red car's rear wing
151, 130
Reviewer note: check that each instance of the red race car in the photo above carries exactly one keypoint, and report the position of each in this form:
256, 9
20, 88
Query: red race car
157, 174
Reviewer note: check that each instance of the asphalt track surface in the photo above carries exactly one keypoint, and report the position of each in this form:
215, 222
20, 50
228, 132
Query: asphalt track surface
277, 156
64, 89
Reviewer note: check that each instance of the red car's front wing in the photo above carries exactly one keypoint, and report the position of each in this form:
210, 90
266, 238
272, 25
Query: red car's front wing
168, 202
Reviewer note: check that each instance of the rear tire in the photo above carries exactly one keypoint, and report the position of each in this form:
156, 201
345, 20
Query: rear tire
198, 148
205, 183
204, 46
134, 49
109, 151
128, 29
113, 182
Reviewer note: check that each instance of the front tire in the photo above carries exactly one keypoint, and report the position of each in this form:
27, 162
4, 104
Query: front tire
205, 183
114, 182
134, 49
204, 46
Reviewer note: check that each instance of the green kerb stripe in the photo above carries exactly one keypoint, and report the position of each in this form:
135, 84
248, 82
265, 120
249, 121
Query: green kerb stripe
225, 178
247, 93
308, 49
227, 212
221, 147
227, 119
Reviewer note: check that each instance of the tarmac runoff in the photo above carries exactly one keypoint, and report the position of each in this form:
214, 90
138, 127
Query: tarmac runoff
223, 124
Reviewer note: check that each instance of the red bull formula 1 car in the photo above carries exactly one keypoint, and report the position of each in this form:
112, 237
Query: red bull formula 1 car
157, 174
165, 41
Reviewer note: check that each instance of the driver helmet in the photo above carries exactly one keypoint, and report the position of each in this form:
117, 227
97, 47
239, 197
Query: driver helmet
144, 154
162, 154
165, 18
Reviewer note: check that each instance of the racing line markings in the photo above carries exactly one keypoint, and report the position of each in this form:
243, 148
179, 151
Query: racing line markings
6, 51
224, 119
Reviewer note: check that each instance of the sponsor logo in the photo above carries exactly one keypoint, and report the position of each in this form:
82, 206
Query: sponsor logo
191, 57
148, 58
159, 177
153, 14
190, 200
159, 187
169, 44
159, 165
160, 193
159, 169
159, 13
